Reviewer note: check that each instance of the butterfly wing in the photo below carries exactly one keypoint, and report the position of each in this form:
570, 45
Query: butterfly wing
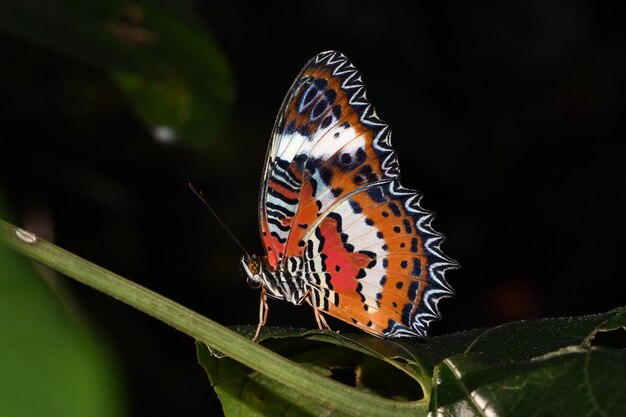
377, 262
330, 194
326, 143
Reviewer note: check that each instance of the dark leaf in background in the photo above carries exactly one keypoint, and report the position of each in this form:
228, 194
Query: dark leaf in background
161, 56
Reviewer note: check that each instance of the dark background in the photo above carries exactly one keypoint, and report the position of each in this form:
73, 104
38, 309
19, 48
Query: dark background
506, 117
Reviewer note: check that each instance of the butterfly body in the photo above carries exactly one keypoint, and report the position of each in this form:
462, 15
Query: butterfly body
338, 228
284, 283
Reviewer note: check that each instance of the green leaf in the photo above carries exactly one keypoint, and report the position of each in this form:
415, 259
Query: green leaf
570, 382
49, 366
172, 73
361, 361
541, 367
243, 392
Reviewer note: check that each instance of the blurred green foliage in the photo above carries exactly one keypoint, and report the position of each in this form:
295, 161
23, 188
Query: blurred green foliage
50, 365
161, 56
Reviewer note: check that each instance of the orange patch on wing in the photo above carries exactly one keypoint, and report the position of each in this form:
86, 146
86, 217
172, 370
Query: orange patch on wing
406, 260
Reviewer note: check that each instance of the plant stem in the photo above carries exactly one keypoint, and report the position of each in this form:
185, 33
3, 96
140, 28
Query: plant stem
345, 399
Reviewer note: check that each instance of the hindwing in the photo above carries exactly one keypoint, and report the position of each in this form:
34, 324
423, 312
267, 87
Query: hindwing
378, 262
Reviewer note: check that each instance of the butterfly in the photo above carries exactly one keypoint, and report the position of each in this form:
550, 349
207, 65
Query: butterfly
339, 230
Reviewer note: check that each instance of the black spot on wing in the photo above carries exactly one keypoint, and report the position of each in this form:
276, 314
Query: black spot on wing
326, 122
312, 164
304, 131
407, 225
323, 257
356, 207
365, 175
348, 162
395, 209
326, 175
337, 111
406, 314
318, 234
319, 109
330, 96
336, 192
417, 268
359, 290
289, 129
377, 195
413, 289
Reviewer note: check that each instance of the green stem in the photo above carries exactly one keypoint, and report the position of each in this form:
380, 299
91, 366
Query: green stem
308, 383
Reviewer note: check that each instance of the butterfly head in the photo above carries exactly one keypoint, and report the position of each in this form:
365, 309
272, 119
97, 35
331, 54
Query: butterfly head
254, 270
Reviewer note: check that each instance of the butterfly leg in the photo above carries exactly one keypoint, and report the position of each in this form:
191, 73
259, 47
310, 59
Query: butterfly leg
264, 309
321, 321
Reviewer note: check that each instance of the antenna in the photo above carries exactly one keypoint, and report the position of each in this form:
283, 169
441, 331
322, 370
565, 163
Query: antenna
206, 203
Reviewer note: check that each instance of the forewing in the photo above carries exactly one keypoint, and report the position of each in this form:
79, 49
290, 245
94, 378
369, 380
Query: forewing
327, 142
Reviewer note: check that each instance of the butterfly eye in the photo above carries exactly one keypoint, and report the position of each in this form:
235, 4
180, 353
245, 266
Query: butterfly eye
254, 265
